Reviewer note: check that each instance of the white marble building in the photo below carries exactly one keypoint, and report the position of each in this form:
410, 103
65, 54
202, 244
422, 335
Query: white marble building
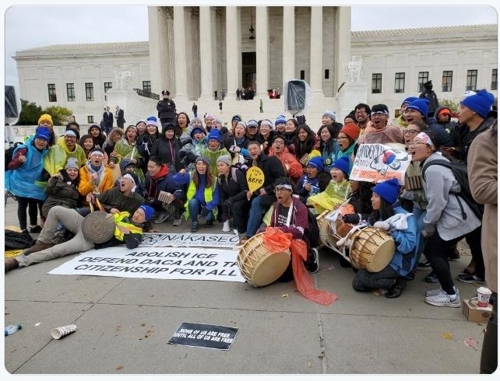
214, 51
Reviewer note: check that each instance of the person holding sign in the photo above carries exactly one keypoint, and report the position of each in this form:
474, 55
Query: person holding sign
402, 226
263, 196
202, 194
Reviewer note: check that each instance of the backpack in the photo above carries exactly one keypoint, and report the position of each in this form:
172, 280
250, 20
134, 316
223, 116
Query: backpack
459, 170
17, 240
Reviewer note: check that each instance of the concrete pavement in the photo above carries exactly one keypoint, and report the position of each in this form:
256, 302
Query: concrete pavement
124, 325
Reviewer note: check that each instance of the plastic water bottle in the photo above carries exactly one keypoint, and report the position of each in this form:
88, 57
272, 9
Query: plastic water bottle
12, 328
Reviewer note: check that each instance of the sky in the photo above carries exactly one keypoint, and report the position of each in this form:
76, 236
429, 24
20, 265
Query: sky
29, 26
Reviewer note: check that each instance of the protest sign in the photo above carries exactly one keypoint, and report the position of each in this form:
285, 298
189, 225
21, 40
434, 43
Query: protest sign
204, 336
377, 162
164, 263
189, 240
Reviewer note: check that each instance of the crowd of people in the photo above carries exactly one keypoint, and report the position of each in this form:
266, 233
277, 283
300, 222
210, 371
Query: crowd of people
175, 167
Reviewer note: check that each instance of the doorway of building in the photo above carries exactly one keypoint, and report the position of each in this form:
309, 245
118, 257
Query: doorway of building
249, 69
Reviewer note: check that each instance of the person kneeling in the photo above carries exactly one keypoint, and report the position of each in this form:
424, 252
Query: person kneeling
402, 226
290, 215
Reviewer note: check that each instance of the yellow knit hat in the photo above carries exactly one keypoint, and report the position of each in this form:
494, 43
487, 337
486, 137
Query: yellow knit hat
45, 118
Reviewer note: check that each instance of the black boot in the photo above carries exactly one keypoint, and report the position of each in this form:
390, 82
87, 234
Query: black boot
396, 290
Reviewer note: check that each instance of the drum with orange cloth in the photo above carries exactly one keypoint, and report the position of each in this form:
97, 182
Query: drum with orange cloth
258, 264
332, 228
371, 249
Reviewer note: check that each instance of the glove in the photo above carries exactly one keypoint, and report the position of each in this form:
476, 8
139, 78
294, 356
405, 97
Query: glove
204, 212
350, 218
382, 225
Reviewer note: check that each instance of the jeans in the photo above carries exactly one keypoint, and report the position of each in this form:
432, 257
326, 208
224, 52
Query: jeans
255, 217
366, 281
195, 207
419, 216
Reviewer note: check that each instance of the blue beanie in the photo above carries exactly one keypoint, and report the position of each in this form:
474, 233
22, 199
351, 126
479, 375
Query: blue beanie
316, 162
280, 119
197, 130
419, 104
236, 117
342, 163
480, 102
42, 133
409, 100
214, 134
148, 211
388, 190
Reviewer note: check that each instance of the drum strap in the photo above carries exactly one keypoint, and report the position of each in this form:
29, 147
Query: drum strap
354, 229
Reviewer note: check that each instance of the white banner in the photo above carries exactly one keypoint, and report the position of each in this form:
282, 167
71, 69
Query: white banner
377, 162
189, 240
145, 262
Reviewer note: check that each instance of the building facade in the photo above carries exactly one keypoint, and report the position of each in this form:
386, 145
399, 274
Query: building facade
197, 51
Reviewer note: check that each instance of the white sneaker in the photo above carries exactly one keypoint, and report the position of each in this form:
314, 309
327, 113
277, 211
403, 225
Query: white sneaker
438, 291
225, 227
444, 300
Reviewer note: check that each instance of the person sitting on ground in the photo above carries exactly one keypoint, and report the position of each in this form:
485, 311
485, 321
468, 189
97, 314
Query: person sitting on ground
122, 198
65, 148
262, 198
126, 148
159, 179
97, 135
291, 166
378, 130
214, 150
95, 177
87, 144
194, 148
337, 190
146, 140
403, 230
128, 166
115, 135
202, 195
308, 185
290, 215
233, 195
304, 145
347, 140
128, 229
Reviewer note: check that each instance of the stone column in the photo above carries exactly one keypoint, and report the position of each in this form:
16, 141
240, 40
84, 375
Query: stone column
262, 50
180, 56
160, 20
316, 63
288, 44
342, 50
207, 90
232, 50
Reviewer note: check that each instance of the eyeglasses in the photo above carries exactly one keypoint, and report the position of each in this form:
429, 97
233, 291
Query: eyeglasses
411, 131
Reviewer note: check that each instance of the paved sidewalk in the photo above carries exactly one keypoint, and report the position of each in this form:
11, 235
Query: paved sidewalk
124, 325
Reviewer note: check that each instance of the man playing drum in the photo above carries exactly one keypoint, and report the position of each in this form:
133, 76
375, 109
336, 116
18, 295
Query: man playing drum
290, 215
402, 226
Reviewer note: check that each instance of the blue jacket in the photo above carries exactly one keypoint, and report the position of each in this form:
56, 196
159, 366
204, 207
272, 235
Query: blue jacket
26, 180
406, 241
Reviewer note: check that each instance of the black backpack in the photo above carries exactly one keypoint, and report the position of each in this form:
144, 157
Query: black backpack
459, 170
17, 240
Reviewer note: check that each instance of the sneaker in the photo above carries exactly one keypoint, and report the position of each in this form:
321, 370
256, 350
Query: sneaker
177, 221
444, 300
423, 265
194, 227
226, 228
313, 267
35, 229
431, 278
164, 215
438, 291
38, 246
469, 278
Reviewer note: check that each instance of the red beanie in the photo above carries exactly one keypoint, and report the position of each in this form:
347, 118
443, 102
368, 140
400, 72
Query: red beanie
351, 130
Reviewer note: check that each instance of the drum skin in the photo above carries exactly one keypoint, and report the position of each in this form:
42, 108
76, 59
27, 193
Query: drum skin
258, 265
372, 249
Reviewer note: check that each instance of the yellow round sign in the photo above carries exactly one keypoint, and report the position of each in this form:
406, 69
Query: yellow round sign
255, 178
